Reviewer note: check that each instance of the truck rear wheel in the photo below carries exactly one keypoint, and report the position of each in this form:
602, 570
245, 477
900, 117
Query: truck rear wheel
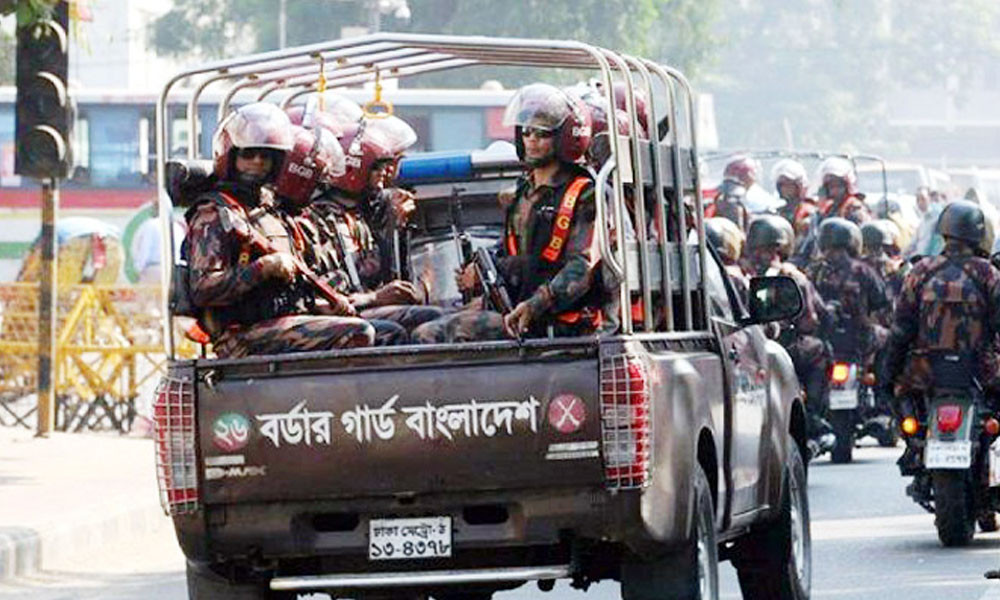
689, 574
774, 561
953, 513
843, 427
987, 522
205, 584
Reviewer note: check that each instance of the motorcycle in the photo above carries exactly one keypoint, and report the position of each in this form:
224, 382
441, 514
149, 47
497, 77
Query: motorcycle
855, 410
953, 454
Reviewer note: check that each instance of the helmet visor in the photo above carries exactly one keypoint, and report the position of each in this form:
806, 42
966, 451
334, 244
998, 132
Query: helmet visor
538, 105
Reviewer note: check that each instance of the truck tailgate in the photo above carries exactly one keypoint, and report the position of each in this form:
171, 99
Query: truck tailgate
411, 429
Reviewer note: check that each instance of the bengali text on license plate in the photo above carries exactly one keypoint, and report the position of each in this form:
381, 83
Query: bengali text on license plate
947, 455
424, 537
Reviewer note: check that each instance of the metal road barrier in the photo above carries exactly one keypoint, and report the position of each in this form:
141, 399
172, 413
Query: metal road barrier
109, 345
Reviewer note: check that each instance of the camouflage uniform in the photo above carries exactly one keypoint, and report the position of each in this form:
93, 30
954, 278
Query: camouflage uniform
356, 261
565, 294
892, 272
860, 294
243, 312
949, 304
802, 337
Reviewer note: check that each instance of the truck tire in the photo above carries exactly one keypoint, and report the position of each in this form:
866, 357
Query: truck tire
689, 574
843, 427
988, 522
954, 516
774, 561
205, 584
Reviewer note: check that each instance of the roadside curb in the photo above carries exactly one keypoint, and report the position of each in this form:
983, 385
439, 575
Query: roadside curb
24, 551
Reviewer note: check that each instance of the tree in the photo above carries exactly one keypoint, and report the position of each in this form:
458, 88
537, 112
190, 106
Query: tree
822, 72
655, 28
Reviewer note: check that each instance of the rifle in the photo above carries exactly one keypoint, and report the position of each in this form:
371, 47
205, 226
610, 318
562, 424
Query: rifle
259, 243
494, 288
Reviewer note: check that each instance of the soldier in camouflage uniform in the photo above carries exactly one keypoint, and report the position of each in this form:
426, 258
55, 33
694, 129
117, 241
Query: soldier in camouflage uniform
769, 242
728, 239
881, 250
852, 289
548, 256
949, 306
356, 217
252, 301
317, 156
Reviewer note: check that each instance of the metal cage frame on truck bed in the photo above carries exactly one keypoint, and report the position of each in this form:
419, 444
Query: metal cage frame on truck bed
660, 259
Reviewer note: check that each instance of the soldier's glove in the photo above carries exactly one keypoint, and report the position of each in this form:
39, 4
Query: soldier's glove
517, 321
280, 266
397, 292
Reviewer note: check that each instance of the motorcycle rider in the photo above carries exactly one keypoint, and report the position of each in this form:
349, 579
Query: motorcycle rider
728, 239
768, 245
792, 185
881, 250
730, 203
852, 289
949, 305
839, 195
251, 302
548, 257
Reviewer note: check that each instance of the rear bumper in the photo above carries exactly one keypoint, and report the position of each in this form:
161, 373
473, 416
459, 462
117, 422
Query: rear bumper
485, 524
418, 578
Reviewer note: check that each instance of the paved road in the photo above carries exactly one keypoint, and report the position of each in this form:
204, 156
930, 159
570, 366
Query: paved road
870, 542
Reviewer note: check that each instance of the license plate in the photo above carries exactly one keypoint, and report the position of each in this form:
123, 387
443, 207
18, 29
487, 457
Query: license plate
947, 455
395, 539
843, 399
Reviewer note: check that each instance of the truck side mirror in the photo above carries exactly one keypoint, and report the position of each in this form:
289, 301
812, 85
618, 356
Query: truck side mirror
774, 299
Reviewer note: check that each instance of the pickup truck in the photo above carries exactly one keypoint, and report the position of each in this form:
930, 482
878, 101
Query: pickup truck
644, 455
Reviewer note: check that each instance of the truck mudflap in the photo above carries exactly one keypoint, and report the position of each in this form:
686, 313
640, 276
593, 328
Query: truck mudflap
406, 431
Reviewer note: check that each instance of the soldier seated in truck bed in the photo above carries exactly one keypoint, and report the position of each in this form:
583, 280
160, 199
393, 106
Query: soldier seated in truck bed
548, 258
251, 301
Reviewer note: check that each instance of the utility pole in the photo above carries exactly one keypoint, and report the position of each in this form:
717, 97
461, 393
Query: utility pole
46, 311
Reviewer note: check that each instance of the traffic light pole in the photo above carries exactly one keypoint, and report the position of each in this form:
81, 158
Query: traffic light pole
46, 311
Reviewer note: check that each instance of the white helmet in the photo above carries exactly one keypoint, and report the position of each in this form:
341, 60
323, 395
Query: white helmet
790, 169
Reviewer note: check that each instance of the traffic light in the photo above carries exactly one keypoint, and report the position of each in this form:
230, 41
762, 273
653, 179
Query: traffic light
44, 114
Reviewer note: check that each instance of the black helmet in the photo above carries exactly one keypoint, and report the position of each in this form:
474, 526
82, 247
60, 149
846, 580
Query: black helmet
878, 235
963, 220
836, 232
771, 230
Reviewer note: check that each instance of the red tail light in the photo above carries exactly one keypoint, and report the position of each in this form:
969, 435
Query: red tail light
176, 467
840, 374
625, 422
949, 418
